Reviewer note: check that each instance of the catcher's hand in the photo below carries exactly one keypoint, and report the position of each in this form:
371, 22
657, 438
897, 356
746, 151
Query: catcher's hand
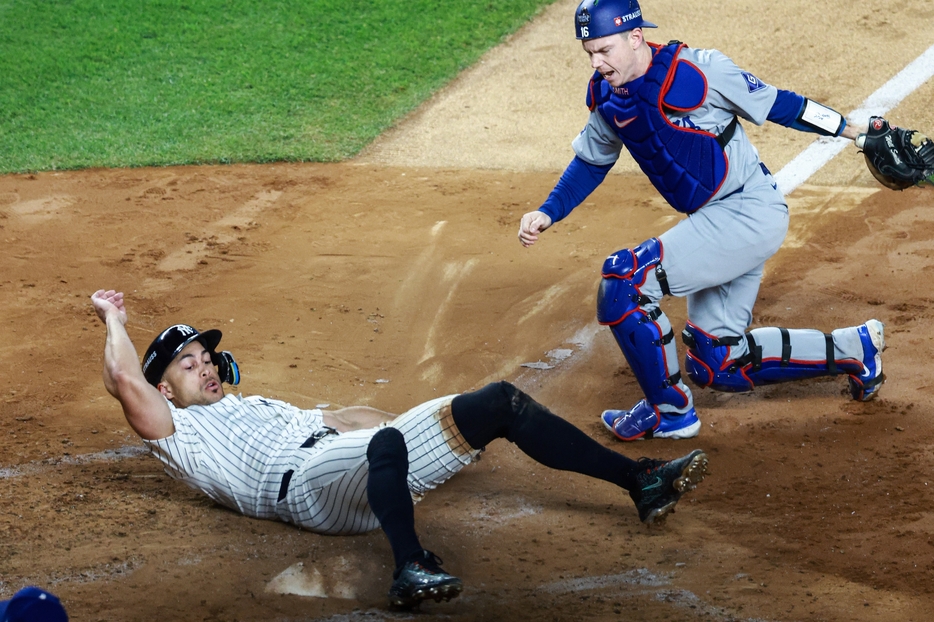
898, 158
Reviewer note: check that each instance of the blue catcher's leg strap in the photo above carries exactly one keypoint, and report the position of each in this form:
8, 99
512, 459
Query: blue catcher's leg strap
640, 328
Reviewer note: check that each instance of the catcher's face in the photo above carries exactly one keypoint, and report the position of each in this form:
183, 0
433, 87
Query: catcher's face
191, 378
617, 56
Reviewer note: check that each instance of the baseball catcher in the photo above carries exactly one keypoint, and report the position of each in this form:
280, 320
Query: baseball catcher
679, 113
897, 157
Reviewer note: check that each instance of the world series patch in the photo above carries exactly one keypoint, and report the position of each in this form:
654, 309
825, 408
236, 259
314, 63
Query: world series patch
753, 83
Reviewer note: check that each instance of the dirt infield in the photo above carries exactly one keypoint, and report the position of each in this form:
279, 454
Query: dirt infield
386, 281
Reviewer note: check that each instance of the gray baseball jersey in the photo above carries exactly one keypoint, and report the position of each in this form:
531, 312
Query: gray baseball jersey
238, 450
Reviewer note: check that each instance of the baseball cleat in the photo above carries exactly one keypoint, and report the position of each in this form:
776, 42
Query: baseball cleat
422, 578
866, 385
645, 421
662, 483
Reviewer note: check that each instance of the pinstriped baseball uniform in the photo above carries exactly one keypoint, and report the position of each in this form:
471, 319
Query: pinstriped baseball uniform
238, 451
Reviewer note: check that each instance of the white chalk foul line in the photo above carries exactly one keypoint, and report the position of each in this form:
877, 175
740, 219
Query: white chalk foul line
889, 95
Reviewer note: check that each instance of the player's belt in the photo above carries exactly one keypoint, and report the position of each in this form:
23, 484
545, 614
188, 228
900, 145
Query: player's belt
317, 436
309, 443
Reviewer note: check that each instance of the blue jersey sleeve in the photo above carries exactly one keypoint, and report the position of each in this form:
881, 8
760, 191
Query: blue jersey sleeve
786, 108
579, 179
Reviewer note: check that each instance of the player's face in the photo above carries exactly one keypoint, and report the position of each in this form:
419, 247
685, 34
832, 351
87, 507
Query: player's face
192, 378
615, 57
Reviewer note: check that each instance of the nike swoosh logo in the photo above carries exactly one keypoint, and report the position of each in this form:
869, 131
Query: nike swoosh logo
658, 482
622, 124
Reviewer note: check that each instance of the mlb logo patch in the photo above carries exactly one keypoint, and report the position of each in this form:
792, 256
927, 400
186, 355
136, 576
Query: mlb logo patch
753, 83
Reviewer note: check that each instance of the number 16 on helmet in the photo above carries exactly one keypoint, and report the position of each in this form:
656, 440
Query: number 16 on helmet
600, 18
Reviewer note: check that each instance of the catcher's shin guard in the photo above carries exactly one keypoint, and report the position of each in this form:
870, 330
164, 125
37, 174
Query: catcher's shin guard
774, 355
640, 328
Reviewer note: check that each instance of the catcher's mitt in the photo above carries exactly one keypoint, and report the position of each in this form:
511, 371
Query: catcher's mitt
898, 158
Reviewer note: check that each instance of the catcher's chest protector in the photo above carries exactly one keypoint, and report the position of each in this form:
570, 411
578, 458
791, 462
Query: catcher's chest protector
686, 165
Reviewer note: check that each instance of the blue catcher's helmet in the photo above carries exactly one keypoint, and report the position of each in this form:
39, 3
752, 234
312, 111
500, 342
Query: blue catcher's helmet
600, 18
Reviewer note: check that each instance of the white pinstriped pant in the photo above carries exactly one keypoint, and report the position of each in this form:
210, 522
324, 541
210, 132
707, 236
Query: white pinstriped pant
327, 493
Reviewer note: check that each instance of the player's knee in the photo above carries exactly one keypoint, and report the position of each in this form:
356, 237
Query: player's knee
490, 403
623, 272
615, 298
510, 403
488, 413
387, 447
518, 413
707, 365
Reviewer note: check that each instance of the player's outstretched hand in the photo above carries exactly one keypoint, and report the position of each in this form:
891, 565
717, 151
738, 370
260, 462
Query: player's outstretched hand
532, 224
109, 302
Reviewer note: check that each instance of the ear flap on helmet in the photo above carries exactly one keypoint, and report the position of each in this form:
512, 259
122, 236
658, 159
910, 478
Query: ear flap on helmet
227, 367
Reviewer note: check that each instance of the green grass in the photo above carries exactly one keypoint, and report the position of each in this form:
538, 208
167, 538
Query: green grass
118, 83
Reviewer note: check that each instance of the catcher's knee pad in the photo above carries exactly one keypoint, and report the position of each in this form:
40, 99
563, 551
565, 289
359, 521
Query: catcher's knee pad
624, 273
387, 448
707, 361
640, 328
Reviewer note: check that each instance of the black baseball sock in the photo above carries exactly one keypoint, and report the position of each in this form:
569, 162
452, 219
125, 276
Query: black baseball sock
500, 410
388, 492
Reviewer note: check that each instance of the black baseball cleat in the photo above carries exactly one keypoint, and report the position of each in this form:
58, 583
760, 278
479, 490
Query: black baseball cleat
662, 483
422, 578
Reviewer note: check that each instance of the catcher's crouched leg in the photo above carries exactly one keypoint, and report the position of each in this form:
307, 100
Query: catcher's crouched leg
772, 355
627, 302
642, 330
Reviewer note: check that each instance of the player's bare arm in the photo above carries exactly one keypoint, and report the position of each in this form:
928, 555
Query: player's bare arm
531, 225
356, 418
853, 131
143, 406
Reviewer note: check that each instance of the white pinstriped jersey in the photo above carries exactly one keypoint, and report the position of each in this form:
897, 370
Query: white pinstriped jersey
238, 450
